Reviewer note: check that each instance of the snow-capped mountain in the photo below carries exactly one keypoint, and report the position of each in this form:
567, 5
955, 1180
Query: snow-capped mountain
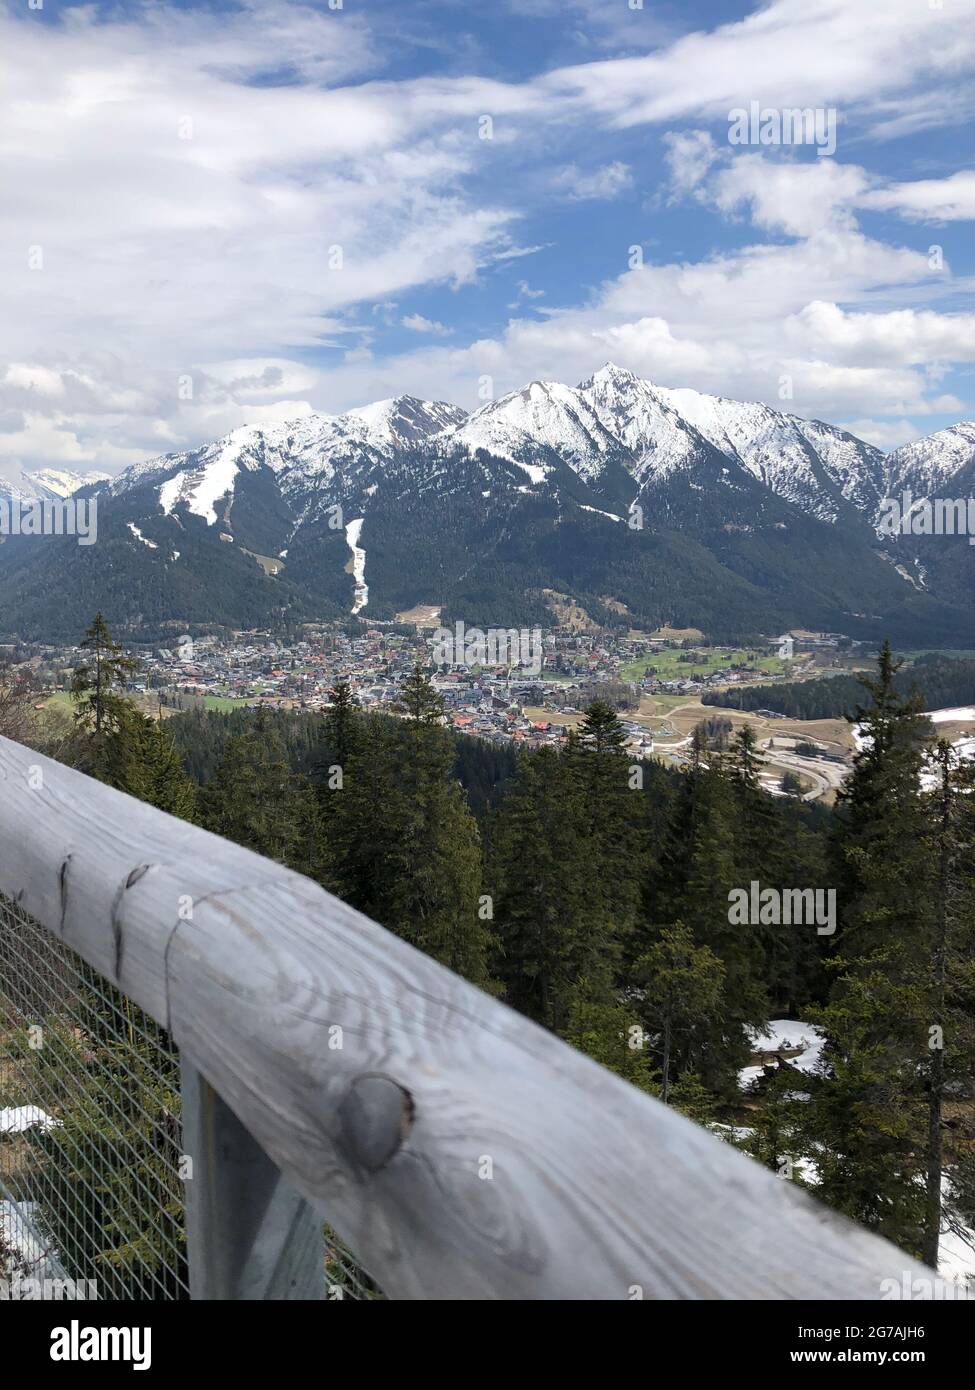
613, 425
308, 452
655, 432
48, 484
927, 466
544, 415
739, 519
816, 466
660, 441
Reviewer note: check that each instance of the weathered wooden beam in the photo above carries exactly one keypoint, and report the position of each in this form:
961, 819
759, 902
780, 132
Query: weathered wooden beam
249, 1234
459, 1150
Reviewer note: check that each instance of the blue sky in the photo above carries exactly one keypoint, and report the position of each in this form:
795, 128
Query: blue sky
229, 213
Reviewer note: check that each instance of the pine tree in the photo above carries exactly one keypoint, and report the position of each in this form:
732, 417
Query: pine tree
403, 845
867, 1118
97, 684
865, 1121
540, 874
879, 856
772, 848
745, 762
253, 797
951, 1029
606, 788
699, 747
777, 1138
137, 757
943, 808
698, 868
568, 848
609, 1034
692, 1098
341, 723
602, 729
117, 1105
308, 852
679, 995
418, 699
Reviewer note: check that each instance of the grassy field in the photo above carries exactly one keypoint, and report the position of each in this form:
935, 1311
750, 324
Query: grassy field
535, 712
223, 703
61, 699
669, 666
653, 705
956, 653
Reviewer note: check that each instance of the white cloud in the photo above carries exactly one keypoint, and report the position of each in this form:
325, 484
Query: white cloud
786, 196
597, 24
525, 295
605, 183
514, 253
900, 336
689, 155
51, 439
185, 214
788, 53
29, 377
418, 324
885, 434
226, 224
733, 323
249, 378
929, 200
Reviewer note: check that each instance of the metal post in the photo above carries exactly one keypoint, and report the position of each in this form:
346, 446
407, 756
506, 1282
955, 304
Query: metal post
249, 1234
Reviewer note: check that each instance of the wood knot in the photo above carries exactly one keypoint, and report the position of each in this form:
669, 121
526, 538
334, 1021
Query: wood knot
375, 1116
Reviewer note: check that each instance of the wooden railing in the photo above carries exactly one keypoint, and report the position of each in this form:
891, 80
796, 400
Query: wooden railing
333, 1072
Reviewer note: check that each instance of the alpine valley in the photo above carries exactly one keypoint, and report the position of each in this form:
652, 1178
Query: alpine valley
648, 506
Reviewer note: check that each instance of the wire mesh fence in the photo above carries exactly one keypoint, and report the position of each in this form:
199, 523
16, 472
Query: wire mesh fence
343, 1277
90, 1147
91, 1155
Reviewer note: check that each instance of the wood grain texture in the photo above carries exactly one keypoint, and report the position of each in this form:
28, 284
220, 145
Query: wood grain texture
459, 1150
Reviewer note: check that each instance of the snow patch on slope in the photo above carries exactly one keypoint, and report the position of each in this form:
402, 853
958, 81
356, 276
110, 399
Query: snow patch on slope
352, 533
169, 493
17, 1119
139, 536
949, 716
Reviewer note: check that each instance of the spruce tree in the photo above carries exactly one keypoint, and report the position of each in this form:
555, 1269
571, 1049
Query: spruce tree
950, 1062
138, 757
341, 723
879, 854
777, 1138
773, 848
606, 788
867, 1119
418, 700
540, 874
607, 1032
403, 845
253, 797
679, 995
690, 883
98, 683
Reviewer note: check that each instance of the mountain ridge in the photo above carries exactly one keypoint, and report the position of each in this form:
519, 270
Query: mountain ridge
738, 518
